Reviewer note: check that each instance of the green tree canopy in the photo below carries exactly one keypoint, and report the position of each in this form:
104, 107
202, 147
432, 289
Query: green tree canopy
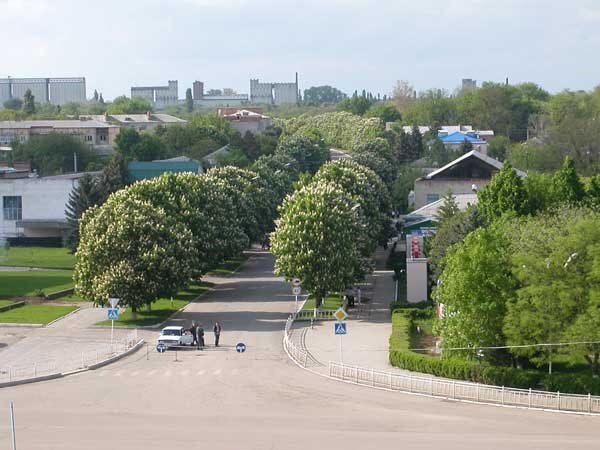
504, 194
309, 151
125, 105
53, 153
567, 185
316, 239
474, 288
139, 146
321, 95
132, 250
386, 111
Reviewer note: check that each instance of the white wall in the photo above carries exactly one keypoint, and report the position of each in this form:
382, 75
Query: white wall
441, 187
42, 199
416, 280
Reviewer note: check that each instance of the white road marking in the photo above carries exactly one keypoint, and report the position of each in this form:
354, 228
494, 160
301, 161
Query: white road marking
168, 373
134, 373
201, 372
152, 372
117, 374
217, 372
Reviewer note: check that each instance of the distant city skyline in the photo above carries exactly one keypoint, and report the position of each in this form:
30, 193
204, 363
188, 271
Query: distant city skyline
349, 44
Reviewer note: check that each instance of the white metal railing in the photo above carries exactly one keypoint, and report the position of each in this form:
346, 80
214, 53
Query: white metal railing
52, 367
320, 315
298, 354
465, 391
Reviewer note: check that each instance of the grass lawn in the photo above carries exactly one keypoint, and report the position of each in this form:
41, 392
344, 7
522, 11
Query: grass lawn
228, 266
43, 257
6, 302
28, 283
35, 314
162, 308
332, 302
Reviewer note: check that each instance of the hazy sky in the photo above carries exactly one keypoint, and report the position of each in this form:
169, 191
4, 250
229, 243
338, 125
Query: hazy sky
350, 44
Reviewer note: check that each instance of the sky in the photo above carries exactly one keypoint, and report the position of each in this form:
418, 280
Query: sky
349, 44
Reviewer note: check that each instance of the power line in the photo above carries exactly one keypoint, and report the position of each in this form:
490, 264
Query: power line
498, 347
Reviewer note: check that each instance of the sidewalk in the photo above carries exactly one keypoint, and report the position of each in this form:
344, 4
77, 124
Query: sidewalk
366, 344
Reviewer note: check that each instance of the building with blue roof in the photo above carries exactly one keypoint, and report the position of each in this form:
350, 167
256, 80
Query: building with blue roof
455, 140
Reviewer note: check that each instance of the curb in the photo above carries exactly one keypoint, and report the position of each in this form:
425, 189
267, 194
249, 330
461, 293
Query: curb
23, 325
97, 365
115, 358
63, 317
32, 380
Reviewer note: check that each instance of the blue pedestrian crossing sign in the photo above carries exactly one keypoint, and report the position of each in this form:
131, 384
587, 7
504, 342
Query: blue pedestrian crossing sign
340, 328
113, 314
240, 348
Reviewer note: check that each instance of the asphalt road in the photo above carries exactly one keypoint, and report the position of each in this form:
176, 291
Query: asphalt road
220, 399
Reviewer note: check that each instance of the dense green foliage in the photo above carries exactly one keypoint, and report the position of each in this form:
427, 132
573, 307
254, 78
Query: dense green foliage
53, 154
322, 95
340, 129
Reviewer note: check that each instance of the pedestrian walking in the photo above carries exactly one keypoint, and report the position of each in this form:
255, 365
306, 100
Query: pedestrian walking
217, 330
194, 331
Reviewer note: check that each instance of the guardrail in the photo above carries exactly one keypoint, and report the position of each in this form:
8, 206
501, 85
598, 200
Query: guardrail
320, 315
299, 355
44, 368
465, 391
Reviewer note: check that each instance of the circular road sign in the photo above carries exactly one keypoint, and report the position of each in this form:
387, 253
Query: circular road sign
296, 282
161, 348
296, 290
240, 347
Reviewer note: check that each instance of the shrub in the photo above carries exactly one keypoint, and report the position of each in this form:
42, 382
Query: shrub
454, 368
574, 383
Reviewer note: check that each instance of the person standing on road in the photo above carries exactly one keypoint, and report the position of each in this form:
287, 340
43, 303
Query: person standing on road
217, 330
194, 332
200, 337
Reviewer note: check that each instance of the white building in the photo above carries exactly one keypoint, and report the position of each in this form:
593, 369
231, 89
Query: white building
465, 174
34, 207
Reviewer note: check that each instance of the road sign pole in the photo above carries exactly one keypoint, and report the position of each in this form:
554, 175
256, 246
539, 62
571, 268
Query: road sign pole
341, 353
112, 333
296, 310
12, 426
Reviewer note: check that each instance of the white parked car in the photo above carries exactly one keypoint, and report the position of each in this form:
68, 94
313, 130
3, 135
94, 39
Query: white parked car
175, 336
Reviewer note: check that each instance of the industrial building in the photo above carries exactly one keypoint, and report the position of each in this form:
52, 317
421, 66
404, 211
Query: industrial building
165, 96
57, 91
273, 93
158, 96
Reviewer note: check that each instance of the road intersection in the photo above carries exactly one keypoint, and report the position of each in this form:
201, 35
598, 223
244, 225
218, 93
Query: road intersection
221, 399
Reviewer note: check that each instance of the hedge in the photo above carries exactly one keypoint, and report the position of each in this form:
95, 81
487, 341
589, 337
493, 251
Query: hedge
462, 369
458, 369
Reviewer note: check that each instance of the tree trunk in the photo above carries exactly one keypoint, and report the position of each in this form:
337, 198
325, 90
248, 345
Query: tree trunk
594, 362
133, 313
318, 303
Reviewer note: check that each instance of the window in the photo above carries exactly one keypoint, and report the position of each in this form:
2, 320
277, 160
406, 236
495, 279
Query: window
102, 137
12, 207
88, 138
432, 198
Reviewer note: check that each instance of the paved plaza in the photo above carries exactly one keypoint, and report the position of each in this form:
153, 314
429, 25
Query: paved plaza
259, 399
